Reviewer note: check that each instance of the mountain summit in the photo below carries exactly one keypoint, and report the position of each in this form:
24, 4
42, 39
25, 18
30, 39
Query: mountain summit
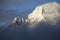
49, 12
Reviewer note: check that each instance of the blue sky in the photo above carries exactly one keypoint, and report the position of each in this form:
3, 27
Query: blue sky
22, 5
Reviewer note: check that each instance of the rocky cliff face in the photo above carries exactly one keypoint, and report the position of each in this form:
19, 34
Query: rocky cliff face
18, 20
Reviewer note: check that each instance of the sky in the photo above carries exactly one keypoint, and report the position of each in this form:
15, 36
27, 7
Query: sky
22, 5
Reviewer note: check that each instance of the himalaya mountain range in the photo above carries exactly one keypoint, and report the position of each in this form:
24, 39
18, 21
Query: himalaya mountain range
43, 23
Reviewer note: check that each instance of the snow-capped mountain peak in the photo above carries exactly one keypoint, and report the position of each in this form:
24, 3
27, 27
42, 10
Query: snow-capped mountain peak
48, 12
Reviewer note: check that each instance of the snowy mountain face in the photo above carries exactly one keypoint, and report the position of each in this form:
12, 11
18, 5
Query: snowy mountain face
48, 12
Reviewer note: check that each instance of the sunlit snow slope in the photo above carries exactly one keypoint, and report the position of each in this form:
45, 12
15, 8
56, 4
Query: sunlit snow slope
49, 12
